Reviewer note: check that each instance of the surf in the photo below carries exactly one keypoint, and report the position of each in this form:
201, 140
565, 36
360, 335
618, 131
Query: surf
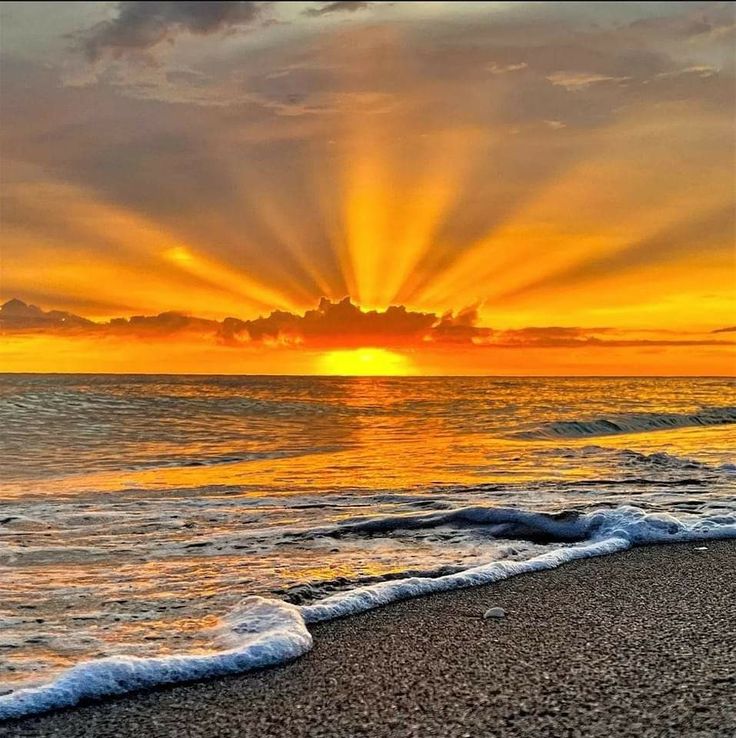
624, 423
263, 632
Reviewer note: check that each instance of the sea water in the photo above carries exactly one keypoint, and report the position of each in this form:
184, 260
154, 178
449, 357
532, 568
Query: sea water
155, 529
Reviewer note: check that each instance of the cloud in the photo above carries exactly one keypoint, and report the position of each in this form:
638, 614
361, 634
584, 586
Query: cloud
339, 324
564, 337
162, 324
336, 322
340, 6
730, 329
697, 21
702, 71
461, 327
483, 174
494, 68
573, 81
17, 316
139, 26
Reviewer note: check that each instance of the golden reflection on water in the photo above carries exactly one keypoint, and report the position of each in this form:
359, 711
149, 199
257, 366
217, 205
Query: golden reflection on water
381, 456
358, 432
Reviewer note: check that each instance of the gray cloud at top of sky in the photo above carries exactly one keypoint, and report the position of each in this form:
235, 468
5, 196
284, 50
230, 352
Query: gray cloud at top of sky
139, 26
339, 6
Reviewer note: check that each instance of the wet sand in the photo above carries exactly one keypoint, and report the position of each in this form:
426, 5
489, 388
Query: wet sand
641, 643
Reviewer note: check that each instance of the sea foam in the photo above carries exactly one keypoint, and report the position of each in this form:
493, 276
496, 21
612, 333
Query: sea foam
265, 632
261, 632
612, 531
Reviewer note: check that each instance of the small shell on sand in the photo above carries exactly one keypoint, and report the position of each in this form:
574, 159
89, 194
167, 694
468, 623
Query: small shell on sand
495, 612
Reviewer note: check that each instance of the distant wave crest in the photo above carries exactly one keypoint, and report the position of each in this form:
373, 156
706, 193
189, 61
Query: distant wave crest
630, 423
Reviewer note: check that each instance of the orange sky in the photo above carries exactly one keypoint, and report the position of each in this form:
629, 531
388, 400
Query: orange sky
552, 190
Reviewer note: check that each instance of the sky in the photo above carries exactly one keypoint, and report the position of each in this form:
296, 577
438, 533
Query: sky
368, 187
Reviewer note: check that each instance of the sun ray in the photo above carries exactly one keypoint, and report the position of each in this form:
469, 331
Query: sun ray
135, 246
585, 214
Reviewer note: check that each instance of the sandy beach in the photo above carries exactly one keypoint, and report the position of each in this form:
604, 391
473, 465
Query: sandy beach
641, 643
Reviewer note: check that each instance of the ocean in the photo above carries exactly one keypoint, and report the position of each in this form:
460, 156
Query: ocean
155, 529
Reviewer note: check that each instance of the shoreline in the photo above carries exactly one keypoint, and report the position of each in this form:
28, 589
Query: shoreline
641, 642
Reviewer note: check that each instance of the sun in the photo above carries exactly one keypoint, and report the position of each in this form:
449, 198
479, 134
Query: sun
364, 362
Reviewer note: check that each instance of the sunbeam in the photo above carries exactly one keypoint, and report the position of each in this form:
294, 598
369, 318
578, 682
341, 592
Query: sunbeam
480, 166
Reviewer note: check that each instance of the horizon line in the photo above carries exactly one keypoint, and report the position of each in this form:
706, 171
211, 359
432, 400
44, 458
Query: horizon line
376, 376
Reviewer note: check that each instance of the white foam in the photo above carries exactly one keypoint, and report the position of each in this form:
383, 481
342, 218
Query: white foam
383, 593
264, 632
615, 530
261, 632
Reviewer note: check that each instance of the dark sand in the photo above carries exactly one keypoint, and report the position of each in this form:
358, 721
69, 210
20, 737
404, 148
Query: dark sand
641, 643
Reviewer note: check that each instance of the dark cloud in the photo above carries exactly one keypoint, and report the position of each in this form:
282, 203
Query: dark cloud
340, 6
331, 325
696, 20
730, 329
163, 324
551, 335
139, 26
461, 327
564, 337
15, 315
341, 322
18, 317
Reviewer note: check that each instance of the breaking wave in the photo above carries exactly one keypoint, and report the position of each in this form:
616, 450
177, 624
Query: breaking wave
496, 522
261, 632
265, 632
630, 423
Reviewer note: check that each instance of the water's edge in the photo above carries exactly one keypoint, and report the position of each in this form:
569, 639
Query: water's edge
265, 632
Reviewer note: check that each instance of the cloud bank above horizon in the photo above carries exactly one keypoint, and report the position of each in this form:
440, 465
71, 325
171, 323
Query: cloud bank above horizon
339, 325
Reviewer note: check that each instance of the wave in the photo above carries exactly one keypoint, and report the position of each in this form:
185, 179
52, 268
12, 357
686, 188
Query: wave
660, 460
663, 461
230, 458
266, 632
630, 423
615, 530
261, 632
498, 522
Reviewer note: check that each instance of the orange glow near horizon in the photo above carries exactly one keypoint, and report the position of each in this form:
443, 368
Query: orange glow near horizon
192, 355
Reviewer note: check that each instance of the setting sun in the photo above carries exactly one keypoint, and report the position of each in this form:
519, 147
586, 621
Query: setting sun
364, 362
